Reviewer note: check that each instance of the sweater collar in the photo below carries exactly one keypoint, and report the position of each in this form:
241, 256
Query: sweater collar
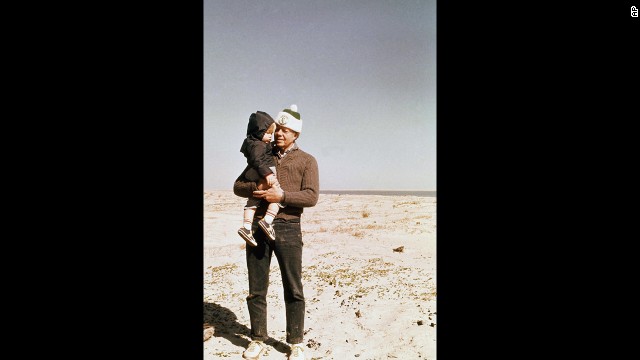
294, 146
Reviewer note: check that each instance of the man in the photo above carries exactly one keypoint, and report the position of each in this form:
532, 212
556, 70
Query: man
297, 172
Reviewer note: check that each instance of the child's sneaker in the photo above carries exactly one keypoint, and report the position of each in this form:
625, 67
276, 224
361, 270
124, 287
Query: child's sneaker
247, 236
268, 229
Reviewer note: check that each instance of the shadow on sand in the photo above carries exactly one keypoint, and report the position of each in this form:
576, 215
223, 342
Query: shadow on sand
225, 325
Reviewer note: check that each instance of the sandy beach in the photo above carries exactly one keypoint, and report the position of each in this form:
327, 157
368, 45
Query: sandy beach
369, 276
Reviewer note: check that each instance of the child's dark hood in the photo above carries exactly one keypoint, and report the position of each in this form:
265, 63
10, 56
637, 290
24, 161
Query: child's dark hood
259, 122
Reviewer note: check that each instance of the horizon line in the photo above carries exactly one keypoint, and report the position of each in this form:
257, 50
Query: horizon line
342, 190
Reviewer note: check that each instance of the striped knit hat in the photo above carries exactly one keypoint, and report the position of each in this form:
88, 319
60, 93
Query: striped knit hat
290, 118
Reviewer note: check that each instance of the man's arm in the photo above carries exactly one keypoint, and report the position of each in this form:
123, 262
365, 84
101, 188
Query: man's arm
308, 194
243, 187
309, 189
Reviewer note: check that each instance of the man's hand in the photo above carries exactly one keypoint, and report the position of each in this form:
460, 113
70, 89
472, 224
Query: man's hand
274, 194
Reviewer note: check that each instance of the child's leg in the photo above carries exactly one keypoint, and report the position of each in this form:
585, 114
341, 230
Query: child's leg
273, 169
273, 208
248, 217
250, 211
272, 211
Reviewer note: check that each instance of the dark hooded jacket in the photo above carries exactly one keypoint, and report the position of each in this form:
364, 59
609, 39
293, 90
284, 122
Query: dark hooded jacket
258, 153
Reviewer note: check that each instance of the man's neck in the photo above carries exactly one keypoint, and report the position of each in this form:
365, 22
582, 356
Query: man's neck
282, 151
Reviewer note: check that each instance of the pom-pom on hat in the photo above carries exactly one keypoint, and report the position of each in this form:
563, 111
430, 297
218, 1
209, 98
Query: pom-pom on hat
290, 118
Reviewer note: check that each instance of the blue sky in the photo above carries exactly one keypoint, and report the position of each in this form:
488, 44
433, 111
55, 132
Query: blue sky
362, 73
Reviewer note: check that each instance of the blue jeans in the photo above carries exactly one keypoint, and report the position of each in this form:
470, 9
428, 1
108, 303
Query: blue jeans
288, 250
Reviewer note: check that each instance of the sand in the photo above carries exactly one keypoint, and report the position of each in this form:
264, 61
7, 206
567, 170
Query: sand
369, 276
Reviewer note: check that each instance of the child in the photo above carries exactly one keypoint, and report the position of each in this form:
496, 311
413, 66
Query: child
257, 148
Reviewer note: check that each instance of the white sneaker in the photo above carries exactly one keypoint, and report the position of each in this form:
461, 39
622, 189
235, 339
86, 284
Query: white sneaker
297, 352
254, 350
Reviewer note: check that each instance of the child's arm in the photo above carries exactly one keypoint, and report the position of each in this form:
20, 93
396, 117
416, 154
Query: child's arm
259, 159
272, 180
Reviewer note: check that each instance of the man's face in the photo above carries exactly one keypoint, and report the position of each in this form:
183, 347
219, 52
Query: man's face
284, 137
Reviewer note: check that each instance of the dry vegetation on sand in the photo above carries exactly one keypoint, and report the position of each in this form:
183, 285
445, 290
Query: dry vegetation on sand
369, 275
